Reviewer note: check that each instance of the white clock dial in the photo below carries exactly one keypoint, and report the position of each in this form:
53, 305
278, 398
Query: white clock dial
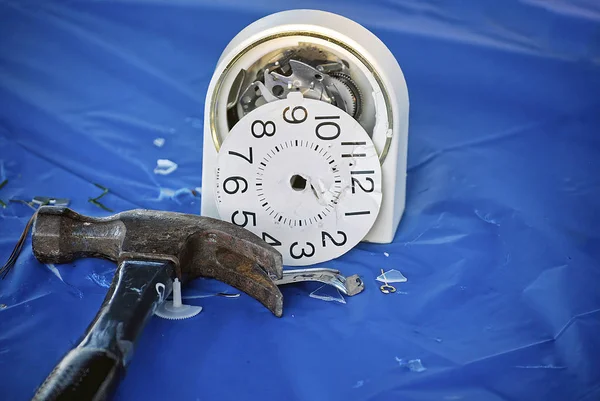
301, 174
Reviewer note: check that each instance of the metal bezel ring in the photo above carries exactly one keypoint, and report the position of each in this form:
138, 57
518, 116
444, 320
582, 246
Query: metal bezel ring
213, 103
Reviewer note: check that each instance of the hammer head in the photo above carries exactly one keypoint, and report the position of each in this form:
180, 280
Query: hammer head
198, 246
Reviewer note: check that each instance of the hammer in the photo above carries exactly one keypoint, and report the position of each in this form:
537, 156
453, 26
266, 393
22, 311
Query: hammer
151, 249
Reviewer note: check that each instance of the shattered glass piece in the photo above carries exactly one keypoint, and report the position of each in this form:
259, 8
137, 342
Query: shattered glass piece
179, 196
414, 365
159, 142
328, 293
55, 271
392, 276
165, 167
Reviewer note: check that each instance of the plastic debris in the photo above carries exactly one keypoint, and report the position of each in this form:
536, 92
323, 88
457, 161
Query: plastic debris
328, 293
392, 276
165, 167
175, 309
159, 142
387, 255
414, 365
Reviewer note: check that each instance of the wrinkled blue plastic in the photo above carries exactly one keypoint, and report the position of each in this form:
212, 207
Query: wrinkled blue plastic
499, 241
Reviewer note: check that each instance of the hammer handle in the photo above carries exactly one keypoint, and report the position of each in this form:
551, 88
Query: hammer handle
93, 369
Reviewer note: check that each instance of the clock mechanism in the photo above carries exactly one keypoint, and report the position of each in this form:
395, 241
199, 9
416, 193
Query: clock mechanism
295, 70
305, 136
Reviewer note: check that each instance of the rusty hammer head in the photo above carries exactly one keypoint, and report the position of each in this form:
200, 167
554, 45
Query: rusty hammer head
198, 246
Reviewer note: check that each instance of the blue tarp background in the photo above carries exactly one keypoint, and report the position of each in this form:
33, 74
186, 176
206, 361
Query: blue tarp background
499, 241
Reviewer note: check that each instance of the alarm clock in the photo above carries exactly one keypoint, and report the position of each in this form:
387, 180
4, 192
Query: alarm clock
305, 136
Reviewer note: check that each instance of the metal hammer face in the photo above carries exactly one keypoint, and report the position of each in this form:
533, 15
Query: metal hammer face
197, 247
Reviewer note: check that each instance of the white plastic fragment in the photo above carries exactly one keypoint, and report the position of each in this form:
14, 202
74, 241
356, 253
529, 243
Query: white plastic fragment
392, 276
175, 309
387, 255
165, 167
159, 142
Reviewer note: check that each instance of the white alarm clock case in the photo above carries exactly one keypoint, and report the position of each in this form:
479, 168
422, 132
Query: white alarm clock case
348, 67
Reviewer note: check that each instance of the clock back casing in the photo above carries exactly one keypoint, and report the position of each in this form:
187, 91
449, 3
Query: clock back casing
287, 28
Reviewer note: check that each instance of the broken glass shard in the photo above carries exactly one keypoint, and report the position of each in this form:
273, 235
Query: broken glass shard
328, 293
392, 276
165, 167
414, 365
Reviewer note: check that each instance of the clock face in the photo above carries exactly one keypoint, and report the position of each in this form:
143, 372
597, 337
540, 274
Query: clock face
301, 174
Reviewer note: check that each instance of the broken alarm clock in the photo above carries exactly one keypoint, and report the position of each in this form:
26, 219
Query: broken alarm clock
305, 136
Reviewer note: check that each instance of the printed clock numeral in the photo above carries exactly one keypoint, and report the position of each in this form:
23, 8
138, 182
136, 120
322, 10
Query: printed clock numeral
365, 189
328, 134
249, 159
266, 128
303, 252
325, 235
236, 179
270, 239
246, 218
295, 120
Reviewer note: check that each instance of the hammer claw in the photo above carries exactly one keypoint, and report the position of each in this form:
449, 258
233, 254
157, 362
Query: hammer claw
246, 266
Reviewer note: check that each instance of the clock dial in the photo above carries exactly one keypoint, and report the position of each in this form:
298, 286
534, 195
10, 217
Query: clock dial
301, 174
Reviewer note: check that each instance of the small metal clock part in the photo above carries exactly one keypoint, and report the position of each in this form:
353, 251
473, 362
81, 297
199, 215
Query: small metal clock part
305, 135
386, 288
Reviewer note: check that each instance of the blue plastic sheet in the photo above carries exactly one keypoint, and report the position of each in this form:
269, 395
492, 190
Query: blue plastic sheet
499, 241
